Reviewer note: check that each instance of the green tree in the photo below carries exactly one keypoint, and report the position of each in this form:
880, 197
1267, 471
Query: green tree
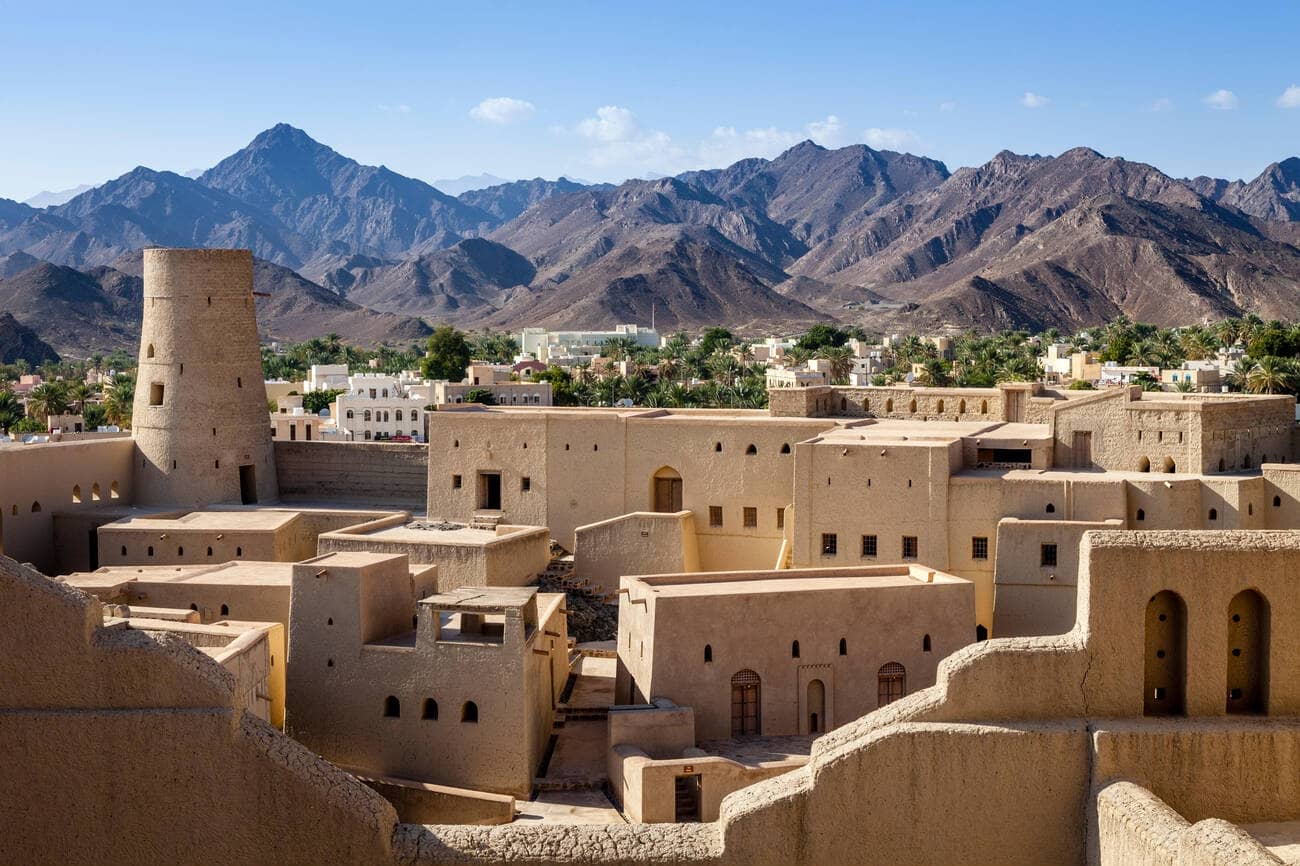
46, 399
1270, 375
94, 416
820, 337
314, 401
11, 411
447, 356
480, 395
118, 400
715, 339
841, 362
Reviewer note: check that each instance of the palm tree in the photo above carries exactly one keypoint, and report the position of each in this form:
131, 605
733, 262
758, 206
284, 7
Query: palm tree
46, 399
118, 400
11, 411
1270, 376
79, 393
933, 374
1018, 369
841, 362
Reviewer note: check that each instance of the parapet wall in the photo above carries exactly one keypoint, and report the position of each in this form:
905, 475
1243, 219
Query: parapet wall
380, 474
125, 747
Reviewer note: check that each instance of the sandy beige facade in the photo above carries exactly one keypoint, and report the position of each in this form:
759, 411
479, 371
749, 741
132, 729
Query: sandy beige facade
461, 693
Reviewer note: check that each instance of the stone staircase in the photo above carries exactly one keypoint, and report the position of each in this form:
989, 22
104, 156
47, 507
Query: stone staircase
485, 520
560, 572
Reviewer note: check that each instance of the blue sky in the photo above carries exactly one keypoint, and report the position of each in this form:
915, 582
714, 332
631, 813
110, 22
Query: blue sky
608, 90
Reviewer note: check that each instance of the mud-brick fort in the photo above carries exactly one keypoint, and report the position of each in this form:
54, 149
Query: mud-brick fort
866, 626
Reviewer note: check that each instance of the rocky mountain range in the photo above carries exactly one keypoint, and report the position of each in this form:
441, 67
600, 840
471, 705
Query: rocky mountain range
856, 235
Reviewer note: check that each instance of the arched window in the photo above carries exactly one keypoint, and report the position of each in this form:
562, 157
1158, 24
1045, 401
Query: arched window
1141, 515
866, 404
708, 653
717, 446
981, 633
36, 508
415, 416
365, 416
751, 450
844, 647
430, 710
1144, 465
225, 610
1051, 509
469, 712
95, 497
745, 710
844, 404
1245, 462
961, 407
150, 550
367, 435
785, 448
891, 683
911, 407
1221, 464
1248, 646
889, 405
1168, 465
180, 551
666, 491
794, 650
194, 607
1164, 666
1214, 514
385, 392
1250, 508
76, 493
112, 490
351, 414
392, 707
124, 550
925, 644
1277, 501
209, 551
148, 353
938, 407
239, 551
399, 414
239, 382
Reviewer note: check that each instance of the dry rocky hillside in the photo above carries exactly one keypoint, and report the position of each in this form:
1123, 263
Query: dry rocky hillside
856, 235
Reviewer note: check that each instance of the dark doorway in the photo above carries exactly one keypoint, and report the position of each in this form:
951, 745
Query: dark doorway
745, 720
248, 484
94, 549
686, 807
668, 493
489, 491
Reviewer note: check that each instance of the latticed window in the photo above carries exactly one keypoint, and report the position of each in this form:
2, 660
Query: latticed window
830, 544
1048, 555
909, 547
868, 545
745, 719
979, 547
891, 682
751, 518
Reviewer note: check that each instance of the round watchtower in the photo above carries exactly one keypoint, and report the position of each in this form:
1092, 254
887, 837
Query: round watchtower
200, 420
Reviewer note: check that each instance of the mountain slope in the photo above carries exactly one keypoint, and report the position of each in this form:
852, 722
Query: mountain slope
337, 204
469, 280
1274, 195
508, 200
20, 343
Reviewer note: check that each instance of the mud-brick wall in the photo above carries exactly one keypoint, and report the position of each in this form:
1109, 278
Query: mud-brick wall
357, 473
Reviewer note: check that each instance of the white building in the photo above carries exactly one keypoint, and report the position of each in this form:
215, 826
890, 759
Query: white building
326, 377
379, 406
543, 344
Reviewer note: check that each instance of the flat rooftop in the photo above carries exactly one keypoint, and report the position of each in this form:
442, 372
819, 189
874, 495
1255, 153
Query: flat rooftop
459, 535
794, 580
920, 431
481, 598
209, 521
236, 572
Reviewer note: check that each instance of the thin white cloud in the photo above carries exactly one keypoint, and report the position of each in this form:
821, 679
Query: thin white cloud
619, 142
1164, 103
948, 105
396, 109
1290, 97
502, 110
891, 139
1222, 100
1034, 100
727, 144
828, 132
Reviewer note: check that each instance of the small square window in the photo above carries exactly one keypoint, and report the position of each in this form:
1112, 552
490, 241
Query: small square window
155, 393
979, 547
1048, 558
868, 545
751, 518
455, 482
830, 543
909, 547
525, 484
715, 515
780, 518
